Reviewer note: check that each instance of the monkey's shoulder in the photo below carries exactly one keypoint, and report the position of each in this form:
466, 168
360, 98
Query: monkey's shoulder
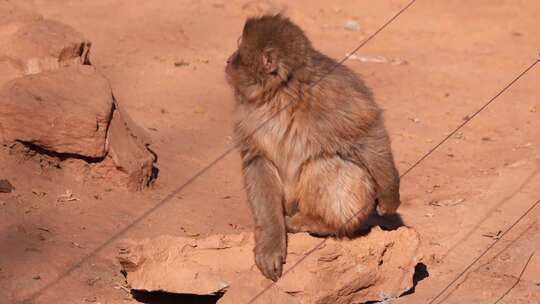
335, 76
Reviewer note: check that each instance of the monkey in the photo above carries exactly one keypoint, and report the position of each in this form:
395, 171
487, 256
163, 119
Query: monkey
316, 156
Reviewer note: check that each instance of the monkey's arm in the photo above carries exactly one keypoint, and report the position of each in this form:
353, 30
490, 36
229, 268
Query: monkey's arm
265, 194
374, 153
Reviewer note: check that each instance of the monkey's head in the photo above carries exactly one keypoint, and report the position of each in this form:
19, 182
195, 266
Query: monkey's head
270, 51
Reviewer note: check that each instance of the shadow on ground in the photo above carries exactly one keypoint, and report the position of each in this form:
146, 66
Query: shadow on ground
160, 297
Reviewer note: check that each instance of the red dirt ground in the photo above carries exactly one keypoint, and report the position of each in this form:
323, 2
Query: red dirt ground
459, 54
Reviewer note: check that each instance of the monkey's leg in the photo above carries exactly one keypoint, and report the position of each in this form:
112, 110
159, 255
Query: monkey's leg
301, 223
336, 195
265, 194
388, 201
377, 157
386, 177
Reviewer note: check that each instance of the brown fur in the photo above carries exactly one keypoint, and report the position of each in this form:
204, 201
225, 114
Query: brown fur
316, 156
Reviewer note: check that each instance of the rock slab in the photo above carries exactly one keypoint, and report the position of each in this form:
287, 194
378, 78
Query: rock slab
65, 111
127, 146
376, 267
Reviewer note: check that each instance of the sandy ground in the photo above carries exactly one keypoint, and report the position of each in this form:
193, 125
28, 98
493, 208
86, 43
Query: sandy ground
458, 55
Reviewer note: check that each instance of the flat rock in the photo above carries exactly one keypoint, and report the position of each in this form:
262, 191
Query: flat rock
375, 267
65, 111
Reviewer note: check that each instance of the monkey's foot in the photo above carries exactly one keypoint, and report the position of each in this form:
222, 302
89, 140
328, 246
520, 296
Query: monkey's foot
270, 254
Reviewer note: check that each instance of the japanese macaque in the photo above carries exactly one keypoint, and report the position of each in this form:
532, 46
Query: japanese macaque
316, 156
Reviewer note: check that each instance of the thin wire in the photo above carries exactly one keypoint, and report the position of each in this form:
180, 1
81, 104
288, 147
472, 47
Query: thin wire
202, 171
471, 117
510, 244
377, 32
125, 229
484, 252
518, 280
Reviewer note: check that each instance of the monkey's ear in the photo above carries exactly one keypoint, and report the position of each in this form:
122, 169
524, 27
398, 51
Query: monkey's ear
270, 60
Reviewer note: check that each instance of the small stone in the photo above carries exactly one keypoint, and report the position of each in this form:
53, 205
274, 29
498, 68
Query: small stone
451, 202
77, 245
352, 26
66, 197
181, 63
5, 186
38, 193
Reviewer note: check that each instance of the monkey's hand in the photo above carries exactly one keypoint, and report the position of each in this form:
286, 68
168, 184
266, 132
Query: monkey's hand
270, 253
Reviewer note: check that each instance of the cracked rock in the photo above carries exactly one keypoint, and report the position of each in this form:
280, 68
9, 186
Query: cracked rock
375, 267
66, 111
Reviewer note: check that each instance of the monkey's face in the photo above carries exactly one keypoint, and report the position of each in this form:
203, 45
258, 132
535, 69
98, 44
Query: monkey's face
254, 71
233, 69
243, 74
